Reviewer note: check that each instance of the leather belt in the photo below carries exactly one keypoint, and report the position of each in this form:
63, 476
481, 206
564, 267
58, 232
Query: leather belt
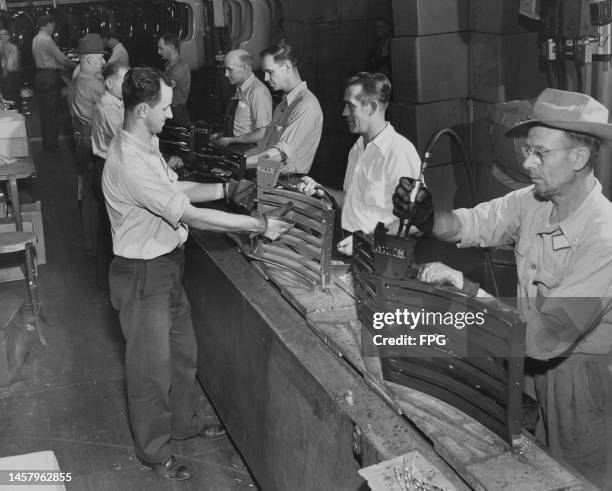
178, 249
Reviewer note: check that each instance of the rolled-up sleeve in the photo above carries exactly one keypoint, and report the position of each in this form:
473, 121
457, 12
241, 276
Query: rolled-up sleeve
156, 196
261, 108
54, 52
492, 223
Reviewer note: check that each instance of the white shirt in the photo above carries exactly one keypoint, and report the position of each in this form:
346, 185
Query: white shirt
371, 176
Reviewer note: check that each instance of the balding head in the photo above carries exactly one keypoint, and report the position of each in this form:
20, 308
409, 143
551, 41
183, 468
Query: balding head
238, 66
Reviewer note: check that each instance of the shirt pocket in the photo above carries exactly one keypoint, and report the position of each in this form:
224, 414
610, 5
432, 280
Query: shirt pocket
545, 280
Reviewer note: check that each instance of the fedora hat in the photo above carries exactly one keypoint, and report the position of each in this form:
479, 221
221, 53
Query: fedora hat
91, 44
567, 111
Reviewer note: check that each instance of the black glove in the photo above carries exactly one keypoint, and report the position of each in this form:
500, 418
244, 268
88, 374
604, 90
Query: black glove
421, 212
242, 193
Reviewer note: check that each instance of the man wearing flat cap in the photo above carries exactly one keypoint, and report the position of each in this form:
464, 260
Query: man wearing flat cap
49, 61
562, 229
87, 89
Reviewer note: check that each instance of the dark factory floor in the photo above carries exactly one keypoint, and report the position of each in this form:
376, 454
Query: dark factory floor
69, 396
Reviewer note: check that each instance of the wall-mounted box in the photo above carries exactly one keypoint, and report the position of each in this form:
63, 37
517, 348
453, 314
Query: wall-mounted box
424, 17
430, 68
505, 67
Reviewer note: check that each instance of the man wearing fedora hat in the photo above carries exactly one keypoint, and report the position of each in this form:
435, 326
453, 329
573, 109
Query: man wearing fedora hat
562, 228
86, 90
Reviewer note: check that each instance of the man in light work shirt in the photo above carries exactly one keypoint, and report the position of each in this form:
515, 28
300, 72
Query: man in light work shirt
106, 121
119, 54
169, 48
49, 61
149, 210
11, 67
88, 85
295, 131
251, 108
107, 117
562, 228
378, 159
87, 89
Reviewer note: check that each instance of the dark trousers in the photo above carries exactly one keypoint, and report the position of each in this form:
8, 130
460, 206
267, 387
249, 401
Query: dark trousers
89, 206
160, 358
47, 85
10, 87
104, 243
575, 396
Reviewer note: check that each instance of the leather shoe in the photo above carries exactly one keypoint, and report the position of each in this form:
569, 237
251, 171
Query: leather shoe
171, 469
211, 430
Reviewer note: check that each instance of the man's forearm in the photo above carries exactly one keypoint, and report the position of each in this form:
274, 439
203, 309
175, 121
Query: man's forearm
447, 226
269, 153
220, 221
199, 193
252, 137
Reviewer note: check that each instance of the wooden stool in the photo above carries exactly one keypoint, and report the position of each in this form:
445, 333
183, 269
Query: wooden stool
11, 242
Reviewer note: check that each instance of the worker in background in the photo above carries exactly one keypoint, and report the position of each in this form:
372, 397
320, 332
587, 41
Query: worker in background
295, 131
249, 112
86, 90
562, 228
377, 160
119, 54
379, 59
106, 121
169, 48
149, 211
10, 62
49, 61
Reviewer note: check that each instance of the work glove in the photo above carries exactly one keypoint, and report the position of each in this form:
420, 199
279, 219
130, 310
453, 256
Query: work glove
275, 226
420, 213
241, 193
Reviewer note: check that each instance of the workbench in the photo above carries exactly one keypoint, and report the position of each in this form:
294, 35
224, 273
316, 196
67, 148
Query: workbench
279, 364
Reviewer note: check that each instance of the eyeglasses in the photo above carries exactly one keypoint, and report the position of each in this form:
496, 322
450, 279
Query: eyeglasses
539, 153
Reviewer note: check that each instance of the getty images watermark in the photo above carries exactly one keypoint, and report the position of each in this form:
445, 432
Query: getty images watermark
542, 326
405, 331
434, 326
